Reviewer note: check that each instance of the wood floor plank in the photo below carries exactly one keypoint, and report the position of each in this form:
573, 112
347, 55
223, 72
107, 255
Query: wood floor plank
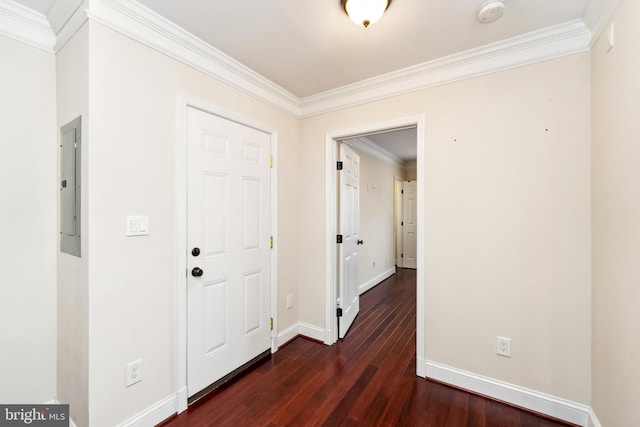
367, 379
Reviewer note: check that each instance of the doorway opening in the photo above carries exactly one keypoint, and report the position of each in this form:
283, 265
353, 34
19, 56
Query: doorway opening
332, 223
266, 315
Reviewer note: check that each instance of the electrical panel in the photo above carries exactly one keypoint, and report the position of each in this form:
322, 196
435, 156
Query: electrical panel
70, 168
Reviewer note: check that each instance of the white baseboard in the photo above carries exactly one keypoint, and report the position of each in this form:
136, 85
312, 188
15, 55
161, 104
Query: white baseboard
288, 334
154, 414
421, 367
311, 331
300, 328
593, 420
56, 402
379, 278
183, 397
529, 399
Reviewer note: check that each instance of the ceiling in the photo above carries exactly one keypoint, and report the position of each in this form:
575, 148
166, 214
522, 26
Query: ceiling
311, 46
402, 143
308, 47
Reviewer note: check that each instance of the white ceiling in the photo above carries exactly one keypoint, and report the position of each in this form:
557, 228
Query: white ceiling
400, 143
41, 6
310, 46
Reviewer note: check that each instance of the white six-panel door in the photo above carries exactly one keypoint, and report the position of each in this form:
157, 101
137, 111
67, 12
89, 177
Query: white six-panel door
228, 214
348, 294
409, 220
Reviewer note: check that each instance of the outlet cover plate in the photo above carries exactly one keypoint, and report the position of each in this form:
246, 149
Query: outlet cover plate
133, 373
503, 346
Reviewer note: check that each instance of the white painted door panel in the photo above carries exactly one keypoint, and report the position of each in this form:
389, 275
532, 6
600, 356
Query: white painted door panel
409, 212
228, 214
348, 295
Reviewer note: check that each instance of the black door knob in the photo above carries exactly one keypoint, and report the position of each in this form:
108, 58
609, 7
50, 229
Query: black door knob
195, 251
359, 242
196, 272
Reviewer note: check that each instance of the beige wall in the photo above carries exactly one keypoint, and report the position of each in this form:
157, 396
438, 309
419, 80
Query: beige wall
29, 224
616, 221
411, 172
133, 135
507, 221
72, 77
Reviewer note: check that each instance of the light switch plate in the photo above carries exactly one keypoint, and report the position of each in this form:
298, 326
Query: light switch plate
137, 225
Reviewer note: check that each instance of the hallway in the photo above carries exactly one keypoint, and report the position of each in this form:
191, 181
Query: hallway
367, 379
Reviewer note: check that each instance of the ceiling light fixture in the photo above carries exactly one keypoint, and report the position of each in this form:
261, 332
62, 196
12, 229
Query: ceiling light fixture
365, 12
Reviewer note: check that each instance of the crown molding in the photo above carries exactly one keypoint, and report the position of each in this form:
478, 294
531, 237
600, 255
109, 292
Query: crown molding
66, 17
560, 40
26, 25
140, 23
598, 13
62, 11
366, 146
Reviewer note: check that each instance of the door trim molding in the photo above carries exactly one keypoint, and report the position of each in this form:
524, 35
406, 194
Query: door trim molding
184, 102
331, 138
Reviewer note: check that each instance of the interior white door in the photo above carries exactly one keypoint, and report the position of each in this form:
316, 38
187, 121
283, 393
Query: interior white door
348, 295
229, 255
409, 221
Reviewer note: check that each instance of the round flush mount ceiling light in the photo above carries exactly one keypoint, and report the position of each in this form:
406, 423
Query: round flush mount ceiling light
490, 11
365, 12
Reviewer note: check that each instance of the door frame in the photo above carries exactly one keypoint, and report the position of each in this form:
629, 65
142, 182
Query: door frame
331, 191
184, 102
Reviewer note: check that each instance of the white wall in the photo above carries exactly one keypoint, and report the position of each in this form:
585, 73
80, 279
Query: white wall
134, 94
29, 217
72, 75
507, 221
616, 221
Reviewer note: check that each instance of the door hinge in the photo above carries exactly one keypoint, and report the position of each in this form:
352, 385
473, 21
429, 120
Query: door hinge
339, 238
401, 191
339, 165
271, 242
401, 255
270, 161
402, 223
271, 323
339, 312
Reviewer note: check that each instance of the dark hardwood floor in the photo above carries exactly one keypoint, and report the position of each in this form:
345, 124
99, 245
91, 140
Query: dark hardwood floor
368, 379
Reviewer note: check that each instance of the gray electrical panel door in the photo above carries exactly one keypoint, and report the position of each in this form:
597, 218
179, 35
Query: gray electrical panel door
70, 188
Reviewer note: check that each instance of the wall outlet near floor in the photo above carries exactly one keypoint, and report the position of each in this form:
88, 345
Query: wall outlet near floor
133, 372
504, 346
289, 301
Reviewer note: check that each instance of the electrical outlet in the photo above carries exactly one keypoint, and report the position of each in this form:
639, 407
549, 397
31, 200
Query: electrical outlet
374, 264
133, 372
289, 301
504, 346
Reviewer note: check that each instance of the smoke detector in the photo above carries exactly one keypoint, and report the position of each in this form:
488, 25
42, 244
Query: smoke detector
490, 11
